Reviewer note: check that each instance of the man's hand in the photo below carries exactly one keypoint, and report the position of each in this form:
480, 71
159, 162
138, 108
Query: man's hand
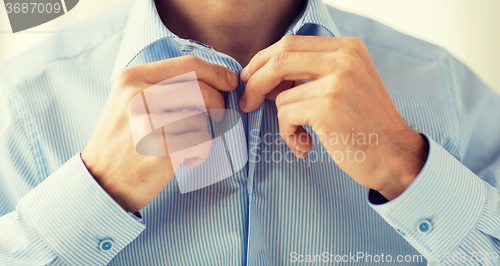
130, 178
345, 95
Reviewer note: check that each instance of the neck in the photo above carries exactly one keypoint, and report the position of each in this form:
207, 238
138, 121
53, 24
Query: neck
238, 28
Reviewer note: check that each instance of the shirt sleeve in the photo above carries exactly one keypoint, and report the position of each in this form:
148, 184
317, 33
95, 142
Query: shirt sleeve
451, 211
64, 216
68, 216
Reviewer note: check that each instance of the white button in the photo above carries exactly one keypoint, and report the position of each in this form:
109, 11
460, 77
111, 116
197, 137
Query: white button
187, 48
106, 244
424, 226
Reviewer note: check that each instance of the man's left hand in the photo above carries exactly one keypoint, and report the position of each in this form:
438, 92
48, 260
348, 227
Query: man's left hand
345, 96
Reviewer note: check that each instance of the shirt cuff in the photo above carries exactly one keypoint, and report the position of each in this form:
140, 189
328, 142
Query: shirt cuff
77, 219
440, 208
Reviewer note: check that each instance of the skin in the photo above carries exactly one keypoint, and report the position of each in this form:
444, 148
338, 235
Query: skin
345, 92
238, 28
132, 179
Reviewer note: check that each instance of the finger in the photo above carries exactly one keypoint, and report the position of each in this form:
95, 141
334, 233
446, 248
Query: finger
283, 86
304, 91
217, 76
193, 162
282, 67
180, 96
159, 143
291, 118
295, 43
192, 148
299, 142
175, 123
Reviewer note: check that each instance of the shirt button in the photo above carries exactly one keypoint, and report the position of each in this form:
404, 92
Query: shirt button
401, 232
187, 48
106, 244
424, 226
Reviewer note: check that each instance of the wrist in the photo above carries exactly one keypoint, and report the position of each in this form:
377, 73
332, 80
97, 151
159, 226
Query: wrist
110, 187
406, 165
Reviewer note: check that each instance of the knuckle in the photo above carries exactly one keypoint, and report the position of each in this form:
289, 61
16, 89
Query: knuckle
333, 94
281, 114
347, 60
210, 97
256, 60
331, 100
126, 85
356, 43
281, 98
190, 61
127, 75
259, 57
219, 74
332, 81
350, 63
289, 42
278, 60
328, 57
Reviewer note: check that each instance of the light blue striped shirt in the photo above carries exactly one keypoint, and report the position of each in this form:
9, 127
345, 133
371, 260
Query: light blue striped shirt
271, 212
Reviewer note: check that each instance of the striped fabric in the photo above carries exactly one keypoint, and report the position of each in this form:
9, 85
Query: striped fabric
273, 211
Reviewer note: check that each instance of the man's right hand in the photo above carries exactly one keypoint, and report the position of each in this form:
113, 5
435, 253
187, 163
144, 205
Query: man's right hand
132, 179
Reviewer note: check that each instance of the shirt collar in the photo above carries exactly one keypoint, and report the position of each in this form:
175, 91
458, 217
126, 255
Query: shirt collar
144, 27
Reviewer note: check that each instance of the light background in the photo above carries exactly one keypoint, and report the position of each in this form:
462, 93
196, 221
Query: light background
465, 27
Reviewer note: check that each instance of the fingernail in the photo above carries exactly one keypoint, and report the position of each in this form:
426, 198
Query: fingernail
243, 101
232, 79
244, 73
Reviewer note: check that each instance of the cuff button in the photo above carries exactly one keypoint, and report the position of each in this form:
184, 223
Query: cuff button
106, 245
424, 226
